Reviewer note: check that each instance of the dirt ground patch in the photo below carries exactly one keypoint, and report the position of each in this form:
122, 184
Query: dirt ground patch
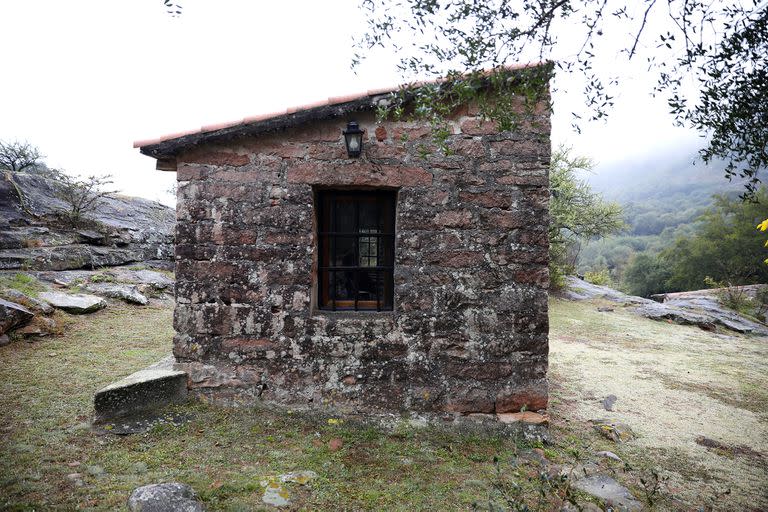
675, 384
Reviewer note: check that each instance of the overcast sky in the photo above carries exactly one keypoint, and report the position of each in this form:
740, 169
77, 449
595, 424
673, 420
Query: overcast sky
84, 79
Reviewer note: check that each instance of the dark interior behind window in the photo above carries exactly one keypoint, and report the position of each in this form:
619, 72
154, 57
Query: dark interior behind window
356, 250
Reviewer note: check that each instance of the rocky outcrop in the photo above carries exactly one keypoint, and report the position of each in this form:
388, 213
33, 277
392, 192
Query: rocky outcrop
701, 308
123, 230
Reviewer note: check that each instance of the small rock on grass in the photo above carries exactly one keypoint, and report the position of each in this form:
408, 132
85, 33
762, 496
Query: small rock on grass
276, 494
168, 497
616, 432
609, 455
77, 304
609, 402
610, 491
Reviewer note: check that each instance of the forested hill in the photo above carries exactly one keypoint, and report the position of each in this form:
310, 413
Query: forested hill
662, 196
663, 190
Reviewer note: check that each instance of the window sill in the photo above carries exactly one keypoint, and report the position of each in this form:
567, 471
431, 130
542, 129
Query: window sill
347, 313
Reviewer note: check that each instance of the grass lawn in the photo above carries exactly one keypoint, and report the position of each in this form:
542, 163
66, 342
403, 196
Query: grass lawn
46, 389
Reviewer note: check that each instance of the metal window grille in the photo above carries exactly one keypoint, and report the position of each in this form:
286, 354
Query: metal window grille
356, 250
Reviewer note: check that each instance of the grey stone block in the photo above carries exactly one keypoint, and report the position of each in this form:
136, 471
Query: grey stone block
140, 392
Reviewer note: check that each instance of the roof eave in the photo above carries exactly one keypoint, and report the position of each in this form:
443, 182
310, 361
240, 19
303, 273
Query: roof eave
171, 147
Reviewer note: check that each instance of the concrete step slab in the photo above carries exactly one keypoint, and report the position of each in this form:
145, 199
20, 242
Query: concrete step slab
140, 393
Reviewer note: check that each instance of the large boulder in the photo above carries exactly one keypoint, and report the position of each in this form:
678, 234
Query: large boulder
168, 497
13, 315
77, 304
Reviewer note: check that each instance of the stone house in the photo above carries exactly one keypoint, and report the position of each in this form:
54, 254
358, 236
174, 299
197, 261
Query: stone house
400, 279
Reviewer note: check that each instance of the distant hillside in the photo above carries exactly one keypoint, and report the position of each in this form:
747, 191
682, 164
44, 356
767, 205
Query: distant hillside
662, 196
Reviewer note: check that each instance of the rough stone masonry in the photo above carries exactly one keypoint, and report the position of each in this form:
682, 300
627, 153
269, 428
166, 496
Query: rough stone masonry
468, 330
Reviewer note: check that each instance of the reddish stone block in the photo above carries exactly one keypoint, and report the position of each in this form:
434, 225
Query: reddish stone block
464, 399
535, 275
477, 126
474, 148
454, 219
487, 199
186, 172
513, 179
410, 131
381, 133
327, 152
517, 148
393, 150
215, 157
530, 398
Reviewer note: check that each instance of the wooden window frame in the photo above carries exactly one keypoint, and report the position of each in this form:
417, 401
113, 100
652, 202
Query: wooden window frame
327, 236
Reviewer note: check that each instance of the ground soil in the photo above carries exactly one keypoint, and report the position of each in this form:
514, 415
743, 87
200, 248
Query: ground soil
697, 401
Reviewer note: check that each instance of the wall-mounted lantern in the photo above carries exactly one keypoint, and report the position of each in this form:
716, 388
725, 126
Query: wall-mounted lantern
353, 139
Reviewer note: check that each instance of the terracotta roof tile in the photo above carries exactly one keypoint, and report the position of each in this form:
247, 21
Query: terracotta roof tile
335, 100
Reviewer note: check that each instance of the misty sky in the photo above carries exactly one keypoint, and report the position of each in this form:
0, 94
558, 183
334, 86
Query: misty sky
84, 79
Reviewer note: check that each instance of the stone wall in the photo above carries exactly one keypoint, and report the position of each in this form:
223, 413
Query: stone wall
469, 328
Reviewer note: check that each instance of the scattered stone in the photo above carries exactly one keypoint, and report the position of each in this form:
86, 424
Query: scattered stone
77, 304
616, 432
168, 497
74, 464
608, 402
298, 477
605, 310
533, 418
125, 292
28, 302
609, 455
4, 340
610, 491
13, 315
335, 444
276, 495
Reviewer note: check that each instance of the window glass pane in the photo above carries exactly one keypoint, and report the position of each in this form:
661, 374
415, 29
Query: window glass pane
344, 283
369, 215
344, 215
368, 249
344, 254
